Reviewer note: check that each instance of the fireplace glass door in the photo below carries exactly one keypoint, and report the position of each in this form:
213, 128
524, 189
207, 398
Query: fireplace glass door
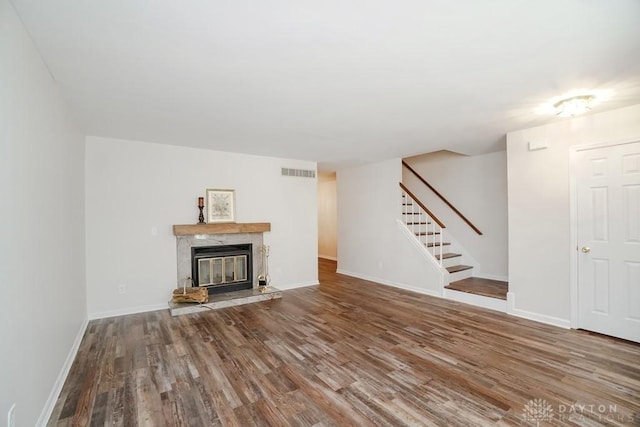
222, 270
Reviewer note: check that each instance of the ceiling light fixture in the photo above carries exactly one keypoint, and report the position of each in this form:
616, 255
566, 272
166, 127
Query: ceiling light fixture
573, 106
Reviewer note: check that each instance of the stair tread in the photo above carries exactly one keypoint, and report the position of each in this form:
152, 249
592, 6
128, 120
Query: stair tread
448, 255
456, 268
418, 223
430, 245
426, 233
484, 287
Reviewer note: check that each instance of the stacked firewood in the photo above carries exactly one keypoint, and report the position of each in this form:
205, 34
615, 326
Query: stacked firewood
199, 294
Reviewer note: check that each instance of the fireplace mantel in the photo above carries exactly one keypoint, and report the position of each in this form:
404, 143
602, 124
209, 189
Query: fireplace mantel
222, 228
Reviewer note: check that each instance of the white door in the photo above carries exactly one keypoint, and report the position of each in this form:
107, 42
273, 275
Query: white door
608, 231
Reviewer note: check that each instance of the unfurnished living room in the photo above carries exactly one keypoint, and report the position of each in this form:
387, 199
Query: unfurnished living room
289, 213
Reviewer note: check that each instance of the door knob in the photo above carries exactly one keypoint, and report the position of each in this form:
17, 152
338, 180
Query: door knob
586, 249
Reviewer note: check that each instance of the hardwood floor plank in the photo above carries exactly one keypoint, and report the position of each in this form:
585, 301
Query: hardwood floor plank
347, 352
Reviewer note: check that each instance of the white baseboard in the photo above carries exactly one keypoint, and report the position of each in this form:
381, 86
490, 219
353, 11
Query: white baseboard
62, 377
476, 300
282, 287
404, 286
330, 258
128, 310
491, 277
542, 318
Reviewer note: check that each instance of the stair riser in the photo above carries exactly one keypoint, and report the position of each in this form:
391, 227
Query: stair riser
477, 300
425, 240
460, 275
450, 262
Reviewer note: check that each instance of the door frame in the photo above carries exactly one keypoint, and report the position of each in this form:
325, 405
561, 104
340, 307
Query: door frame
573, 218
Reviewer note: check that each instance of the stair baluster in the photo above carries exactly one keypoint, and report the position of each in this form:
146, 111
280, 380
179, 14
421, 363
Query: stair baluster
422, 223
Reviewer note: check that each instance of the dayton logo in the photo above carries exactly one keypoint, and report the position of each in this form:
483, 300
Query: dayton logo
537, 410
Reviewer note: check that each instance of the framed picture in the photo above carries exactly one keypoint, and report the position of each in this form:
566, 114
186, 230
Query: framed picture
221, 206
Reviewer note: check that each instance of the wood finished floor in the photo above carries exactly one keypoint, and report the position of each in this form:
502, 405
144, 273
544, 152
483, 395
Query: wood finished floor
347, 352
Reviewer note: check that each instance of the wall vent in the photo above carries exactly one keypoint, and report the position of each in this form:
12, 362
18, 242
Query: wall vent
302, 173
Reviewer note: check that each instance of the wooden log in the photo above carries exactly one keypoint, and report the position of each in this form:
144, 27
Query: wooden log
192, 294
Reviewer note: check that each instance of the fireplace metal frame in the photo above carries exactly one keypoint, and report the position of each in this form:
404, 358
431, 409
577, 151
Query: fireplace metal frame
202, 252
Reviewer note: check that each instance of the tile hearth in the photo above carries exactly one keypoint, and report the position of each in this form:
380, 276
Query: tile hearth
229, 299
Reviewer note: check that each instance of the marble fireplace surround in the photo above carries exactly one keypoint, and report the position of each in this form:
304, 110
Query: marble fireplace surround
188, 236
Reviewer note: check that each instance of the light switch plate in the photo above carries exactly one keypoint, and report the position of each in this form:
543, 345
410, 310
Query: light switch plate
538, 144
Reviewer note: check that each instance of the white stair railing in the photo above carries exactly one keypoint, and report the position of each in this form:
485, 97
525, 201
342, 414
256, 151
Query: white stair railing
425, 226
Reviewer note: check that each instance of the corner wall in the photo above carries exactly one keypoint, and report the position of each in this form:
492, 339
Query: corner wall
136, 192
42, 252
539, 222
371, 245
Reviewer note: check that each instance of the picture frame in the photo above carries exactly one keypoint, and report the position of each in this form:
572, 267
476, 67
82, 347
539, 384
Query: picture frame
221, 206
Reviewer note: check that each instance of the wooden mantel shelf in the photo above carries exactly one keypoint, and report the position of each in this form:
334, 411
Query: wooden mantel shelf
223, 228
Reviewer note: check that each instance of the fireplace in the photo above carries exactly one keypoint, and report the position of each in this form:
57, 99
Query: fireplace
222, 268
230, 242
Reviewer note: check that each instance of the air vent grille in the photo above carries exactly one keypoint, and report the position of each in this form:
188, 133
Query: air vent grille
302, 173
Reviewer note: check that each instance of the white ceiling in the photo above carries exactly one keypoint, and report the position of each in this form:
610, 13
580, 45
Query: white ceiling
335, 81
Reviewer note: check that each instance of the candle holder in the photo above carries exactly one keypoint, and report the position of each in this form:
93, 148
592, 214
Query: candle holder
201, 206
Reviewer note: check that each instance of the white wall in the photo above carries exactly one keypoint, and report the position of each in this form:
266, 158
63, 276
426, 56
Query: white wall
136, 187
42, 268
370, 243
539, 223
477, 187
327, 216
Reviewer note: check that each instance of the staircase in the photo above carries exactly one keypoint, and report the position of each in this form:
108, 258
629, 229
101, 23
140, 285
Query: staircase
430, 232
459, 283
